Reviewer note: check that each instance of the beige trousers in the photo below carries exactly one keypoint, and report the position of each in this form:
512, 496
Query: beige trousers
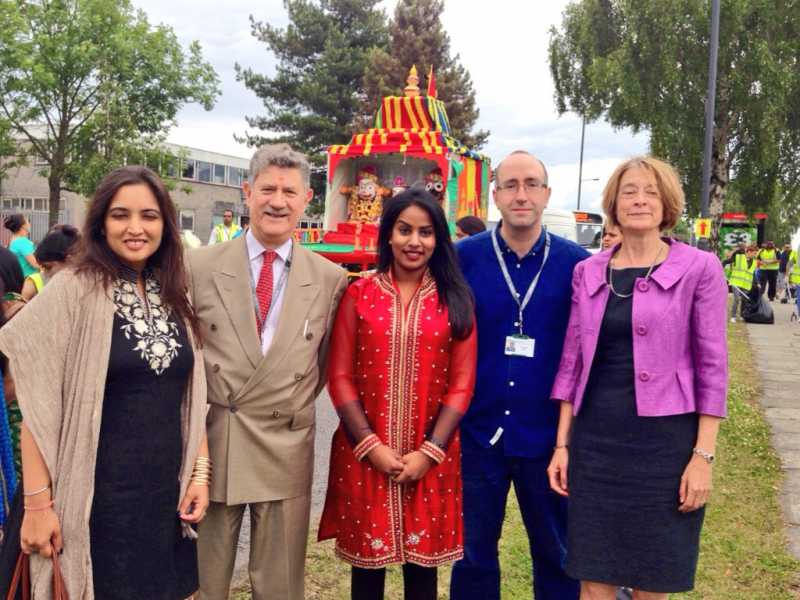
278, 536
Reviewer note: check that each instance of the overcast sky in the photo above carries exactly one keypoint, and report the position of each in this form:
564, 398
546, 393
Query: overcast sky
503, 44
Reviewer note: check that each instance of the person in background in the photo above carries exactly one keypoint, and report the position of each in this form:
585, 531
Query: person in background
12, 302
469, 225
520, 276
53, 254
611, 236
642, 389
244, 225
21, 245
225, 231
768, 265
11, 283
114, 460
398, 436
741, 268
783, 280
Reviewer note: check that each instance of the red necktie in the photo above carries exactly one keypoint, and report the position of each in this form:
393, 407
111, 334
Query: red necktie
264, 288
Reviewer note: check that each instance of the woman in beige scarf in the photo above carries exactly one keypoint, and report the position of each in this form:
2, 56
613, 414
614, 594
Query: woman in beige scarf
111, 386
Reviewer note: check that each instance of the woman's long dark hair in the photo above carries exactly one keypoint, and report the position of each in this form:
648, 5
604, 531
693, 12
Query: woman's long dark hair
96, 258
453, 290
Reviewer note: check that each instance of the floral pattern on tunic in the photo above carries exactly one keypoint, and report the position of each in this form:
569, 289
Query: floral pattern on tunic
156, 336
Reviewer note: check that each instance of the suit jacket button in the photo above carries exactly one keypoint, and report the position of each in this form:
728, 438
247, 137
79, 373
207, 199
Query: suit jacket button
643, 286
298, 377
215, 368
213, 327
234, 409
309, 335
276, 414
641, 330
644, 376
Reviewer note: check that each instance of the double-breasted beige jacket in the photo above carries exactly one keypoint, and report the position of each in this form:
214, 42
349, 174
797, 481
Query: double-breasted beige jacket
261, 407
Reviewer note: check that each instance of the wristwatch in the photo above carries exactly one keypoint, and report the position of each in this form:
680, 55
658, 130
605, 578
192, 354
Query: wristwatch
707, 456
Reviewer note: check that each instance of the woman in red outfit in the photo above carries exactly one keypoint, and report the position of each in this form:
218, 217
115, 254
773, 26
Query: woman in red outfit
401, 374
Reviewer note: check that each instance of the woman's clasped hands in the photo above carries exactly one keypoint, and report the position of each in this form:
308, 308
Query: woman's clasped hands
402, 469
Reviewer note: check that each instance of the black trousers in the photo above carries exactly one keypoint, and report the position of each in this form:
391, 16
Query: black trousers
769, 278
419, 583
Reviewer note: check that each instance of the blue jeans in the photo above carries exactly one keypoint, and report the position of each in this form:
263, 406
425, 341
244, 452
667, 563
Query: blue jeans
487, 477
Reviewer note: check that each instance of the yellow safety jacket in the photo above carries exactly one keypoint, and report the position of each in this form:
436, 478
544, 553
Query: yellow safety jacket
769, 255
223, 235
741, 274
794, 276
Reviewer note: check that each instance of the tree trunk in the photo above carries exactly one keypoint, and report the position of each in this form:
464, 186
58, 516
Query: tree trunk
54, 183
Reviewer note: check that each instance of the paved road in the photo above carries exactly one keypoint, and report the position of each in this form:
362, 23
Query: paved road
777, 354
327, 421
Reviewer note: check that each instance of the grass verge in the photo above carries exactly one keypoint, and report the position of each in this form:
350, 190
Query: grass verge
743, 551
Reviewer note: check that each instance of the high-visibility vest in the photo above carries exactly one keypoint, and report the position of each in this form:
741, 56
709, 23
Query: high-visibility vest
741, 274
37, 280
765, 254
224, 235
794, 276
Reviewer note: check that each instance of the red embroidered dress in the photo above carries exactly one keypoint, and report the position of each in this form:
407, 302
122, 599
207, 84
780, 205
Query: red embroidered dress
406, 371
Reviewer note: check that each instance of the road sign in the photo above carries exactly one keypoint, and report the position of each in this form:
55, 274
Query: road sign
702, 228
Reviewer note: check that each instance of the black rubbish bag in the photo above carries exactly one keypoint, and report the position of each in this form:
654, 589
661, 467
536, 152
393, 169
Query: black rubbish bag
759, 311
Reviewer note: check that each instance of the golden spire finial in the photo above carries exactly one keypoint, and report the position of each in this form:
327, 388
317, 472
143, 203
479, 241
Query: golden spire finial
412, 89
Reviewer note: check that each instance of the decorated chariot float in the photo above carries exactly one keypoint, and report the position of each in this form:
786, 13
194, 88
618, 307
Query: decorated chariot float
410, 145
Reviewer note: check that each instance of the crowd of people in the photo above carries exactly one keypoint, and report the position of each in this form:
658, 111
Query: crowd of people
163, 392
754, 271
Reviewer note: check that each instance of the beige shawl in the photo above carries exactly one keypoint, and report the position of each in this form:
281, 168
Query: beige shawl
58, 349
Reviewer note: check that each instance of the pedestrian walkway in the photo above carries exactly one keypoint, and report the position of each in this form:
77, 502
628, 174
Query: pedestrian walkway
777, 356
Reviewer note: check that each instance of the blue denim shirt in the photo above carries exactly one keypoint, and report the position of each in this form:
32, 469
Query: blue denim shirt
513, 392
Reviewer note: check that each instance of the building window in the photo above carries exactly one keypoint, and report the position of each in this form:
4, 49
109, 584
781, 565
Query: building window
234, 176
219, 174
40, 204
203, 171
187, 220
188, 169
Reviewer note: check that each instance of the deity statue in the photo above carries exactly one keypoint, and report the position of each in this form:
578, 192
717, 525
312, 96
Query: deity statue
365, 199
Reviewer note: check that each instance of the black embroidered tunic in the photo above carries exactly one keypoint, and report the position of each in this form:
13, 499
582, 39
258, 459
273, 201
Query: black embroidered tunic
136, 543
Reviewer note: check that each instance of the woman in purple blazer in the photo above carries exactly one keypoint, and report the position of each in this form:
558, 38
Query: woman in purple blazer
642, 385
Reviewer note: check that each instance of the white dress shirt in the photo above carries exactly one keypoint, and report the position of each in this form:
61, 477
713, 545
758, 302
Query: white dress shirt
255, 252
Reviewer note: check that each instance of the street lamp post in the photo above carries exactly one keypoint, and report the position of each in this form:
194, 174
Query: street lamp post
710, 107
580, 164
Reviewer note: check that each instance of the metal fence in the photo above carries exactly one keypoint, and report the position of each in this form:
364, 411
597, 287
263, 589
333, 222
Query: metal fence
38, 220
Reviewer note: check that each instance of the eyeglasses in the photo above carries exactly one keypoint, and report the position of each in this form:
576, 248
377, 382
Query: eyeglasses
530, 186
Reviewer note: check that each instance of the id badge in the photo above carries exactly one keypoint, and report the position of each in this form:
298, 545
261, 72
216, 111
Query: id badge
520, 345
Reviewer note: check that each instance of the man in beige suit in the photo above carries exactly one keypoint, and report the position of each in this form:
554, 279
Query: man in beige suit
265, 335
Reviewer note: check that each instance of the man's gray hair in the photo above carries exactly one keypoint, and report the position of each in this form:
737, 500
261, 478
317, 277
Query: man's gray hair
525, 152
279, 155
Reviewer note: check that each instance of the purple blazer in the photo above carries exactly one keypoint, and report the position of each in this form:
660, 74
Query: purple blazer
680, 353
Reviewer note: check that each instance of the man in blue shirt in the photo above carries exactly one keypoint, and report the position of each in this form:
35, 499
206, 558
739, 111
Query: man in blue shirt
521, 277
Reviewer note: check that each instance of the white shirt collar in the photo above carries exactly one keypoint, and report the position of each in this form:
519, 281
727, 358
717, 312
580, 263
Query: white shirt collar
255, 249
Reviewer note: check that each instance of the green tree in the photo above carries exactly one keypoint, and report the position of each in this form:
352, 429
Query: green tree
418, 38
83, 80
643, 64
10, 153
314, 95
